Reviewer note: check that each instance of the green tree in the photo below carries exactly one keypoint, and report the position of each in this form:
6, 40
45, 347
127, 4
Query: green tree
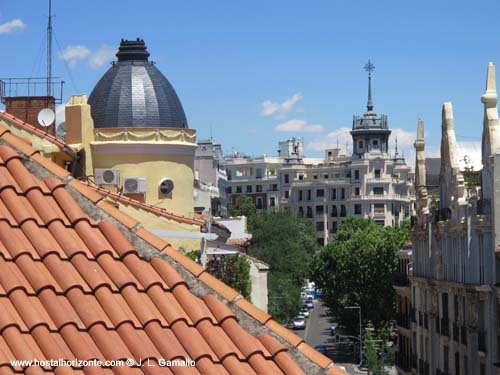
233, 270
285, 242
244, 207
357, 268
378, 354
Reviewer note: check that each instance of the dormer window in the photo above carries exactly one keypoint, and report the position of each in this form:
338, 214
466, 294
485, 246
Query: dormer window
375, 144
360, 145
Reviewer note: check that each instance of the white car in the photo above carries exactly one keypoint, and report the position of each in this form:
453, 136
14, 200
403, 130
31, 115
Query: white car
299, 322
305, 311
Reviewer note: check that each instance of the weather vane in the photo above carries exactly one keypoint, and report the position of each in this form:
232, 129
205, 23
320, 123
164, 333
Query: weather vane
369, 67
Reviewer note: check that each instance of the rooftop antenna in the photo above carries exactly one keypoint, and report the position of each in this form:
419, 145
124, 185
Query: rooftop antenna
396, 154
49, 50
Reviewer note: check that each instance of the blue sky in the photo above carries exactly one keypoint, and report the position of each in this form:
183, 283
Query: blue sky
299, 62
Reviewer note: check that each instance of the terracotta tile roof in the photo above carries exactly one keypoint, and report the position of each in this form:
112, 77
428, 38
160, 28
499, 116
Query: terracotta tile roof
33, 129
101, 287
90, 190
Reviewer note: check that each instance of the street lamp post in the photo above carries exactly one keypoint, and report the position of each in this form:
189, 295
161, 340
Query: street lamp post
360, 332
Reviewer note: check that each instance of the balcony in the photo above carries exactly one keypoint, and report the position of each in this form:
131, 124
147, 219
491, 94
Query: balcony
401, 279
445, 327
481, 341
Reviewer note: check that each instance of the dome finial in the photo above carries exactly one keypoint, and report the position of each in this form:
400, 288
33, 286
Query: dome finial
130, 50
369, 67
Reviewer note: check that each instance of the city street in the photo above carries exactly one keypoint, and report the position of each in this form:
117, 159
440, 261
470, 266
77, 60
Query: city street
318, 332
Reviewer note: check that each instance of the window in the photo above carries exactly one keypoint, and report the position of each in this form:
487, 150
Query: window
360, 146
325, 176
334, 211
379, 208
258, 203
319, 210
343, 211
320, 193
356, 191
315, 176
275, 187
309, 195
300, 195
375, 143
377, 173
258, 173
228, 173
258, 188
334, 194
342, 194
309, 214
356, 175
334, 227
380, 222
287, 194
287, 178
238, 189
249, 188
229, 190
320, 226
272, 202
301, 211
357, 209
378, 191
301, 177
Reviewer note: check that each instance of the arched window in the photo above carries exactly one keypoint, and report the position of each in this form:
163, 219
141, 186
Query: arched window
334, 211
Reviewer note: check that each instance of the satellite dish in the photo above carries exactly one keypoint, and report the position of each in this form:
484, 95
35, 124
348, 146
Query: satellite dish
46, 117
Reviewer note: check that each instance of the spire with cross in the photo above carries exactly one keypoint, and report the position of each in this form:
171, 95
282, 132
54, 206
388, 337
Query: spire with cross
369, 67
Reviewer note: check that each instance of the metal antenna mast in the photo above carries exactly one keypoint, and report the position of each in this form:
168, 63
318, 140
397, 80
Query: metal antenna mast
49, 51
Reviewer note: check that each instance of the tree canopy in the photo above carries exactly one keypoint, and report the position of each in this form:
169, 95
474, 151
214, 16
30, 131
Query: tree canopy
357, 268
286, 242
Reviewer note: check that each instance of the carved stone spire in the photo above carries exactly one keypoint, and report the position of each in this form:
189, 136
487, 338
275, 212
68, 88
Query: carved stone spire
491, 131
420, 178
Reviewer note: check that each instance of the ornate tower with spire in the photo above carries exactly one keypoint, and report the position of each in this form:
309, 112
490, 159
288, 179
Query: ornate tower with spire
370, 132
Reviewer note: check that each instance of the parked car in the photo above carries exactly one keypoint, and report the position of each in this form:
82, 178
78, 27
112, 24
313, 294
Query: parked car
289, 324
321, 348
309, 304
299, 322
305, 311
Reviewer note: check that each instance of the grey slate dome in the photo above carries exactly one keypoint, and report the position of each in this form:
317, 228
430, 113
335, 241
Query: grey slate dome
134, 93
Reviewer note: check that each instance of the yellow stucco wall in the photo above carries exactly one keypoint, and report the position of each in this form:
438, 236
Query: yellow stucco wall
155, 167
152, 221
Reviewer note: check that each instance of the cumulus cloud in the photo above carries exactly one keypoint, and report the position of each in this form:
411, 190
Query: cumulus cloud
81, 53
102, 56
12, 26
340, 137
73, 54
302, 126
280, 110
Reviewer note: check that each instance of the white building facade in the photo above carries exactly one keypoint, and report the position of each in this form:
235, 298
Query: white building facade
455, 265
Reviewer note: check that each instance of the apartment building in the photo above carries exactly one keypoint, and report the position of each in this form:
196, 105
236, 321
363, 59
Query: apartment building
455, 257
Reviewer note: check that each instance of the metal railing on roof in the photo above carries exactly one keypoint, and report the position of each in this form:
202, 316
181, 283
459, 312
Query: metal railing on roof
31, 87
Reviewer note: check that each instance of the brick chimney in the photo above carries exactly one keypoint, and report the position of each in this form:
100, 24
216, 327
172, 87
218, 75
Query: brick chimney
26, 108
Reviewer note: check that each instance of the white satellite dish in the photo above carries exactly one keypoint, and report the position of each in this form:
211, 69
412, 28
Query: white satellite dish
46, 117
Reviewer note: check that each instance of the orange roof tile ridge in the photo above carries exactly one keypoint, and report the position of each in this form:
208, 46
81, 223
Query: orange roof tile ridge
33, 129
148, 207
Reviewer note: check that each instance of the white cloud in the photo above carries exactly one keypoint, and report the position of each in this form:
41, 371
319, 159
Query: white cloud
102, 56
280, 110
12, 26
340, 137
81, 53
296, 125
60, 114
74, 54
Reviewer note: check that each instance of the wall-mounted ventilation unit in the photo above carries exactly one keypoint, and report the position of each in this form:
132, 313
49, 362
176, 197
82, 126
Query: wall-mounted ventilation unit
107, 176
135, 185
166, 186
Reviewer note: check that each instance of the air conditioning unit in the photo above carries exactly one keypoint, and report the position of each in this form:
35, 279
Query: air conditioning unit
135, 185
107, 176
